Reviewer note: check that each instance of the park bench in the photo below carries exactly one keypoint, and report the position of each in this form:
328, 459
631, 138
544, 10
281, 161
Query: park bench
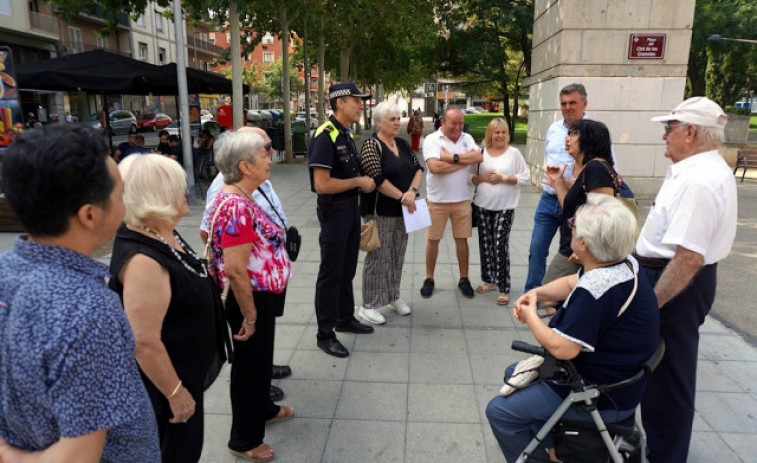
745, 158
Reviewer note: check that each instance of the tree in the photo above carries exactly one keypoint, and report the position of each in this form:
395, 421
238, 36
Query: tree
487, 45
274, 78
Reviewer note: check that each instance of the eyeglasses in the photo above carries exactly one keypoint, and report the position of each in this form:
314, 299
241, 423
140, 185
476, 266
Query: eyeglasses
572, 223
268, 146
669, 128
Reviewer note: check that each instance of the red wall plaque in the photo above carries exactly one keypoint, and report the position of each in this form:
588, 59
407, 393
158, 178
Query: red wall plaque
646, 46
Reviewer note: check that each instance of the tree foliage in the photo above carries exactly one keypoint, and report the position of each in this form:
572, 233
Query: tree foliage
720, 69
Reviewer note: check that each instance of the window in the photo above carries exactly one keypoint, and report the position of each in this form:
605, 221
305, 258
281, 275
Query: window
161, 56
74, 40
267, 38
142, 53
158, 21
101, 41
268, 57
141, 20
212, 38
5, 7
228, 37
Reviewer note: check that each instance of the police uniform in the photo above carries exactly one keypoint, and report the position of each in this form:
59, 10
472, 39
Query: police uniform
333, 148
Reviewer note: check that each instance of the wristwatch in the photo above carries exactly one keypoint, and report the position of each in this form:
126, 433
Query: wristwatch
417, 193
455, 158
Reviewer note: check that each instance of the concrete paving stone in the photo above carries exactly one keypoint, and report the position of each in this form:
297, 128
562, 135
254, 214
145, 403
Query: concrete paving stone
216, 438
711, 378
288, 336
490, 368
492, 341
315, 364
282, 357
301, 295
378, 366
443, 403
488, 317
437, 340
216, 399
436, 311
742, 445
444, 443
485, 393
297, 313
365, 441
711, 325
728, 412
726, 347
299, 440
311, 398
700, 424
386, 338
360, 400
742, 373
440, 369
708, 447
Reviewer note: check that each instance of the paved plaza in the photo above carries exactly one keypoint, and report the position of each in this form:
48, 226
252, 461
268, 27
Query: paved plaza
416, 389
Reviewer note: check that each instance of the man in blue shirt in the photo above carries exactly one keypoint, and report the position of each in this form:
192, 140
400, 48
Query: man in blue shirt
71, 390
548, 213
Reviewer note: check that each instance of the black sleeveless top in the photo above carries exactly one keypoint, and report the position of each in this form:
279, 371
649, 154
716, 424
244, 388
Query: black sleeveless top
194, 329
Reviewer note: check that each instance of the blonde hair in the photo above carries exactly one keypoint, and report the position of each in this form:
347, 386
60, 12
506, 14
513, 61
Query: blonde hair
154, 188
495, 124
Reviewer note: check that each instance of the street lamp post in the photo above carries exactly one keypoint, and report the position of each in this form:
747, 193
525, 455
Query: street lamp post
719, 38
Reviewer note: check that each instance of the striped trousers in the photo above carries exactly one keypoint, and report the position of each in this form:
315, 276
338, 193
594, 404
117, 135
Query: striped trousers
382, 268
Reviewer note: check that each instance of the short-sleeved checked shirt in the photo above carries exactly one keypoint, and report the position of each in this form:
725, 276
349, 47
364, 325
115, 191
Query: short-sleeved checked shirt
67, 360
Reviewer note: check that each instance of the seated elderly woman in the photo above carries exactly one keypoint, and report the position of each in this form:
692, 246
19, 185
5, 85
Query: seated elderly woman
172, 303
251, 262
604, 342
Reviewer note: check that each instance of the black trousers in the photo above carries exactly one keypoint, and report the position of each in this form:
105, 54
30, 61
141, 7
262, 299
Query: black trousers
250, 387
181, 442
340, 242
668, 404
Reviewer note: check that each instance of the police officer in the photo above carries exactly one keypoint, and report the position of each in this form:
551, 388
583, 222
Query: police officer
336, 176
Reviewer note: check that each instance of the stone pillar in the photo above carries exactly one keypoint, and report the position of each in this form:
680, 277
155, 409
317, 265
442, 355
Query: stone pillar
587, 41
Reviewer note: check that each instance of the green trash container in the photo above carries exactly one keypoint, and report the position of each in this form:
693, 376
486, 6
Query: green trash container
298, 138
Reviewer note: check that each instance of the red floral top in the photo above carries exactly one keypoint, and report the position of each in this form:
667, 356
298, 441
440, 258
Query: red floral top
241, 221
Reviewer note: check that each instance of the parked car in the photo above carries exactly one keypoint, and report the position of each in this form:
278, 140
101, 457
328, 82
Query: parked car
122, 122
93, 121
154, 121
475, 110
214, 127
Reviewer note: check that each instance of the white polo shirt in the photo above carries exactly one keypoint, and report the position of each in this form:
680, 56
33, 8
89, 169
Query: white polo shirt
696, 208
455, 186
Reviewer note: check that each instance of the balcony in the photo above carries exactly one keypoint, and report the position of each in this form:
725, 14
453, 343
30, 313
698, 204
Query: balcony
43, 23
202, 45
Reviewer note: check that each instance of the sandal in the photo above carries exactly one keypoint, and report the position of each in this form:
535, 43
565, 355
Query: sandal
260, 453
285, 413
503, 299
485, 288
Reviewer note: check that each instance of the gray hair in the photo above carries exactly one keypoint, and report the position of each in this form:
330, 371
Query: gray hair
451, 108
710, 135
233, 148
574, 87
607, 226
385, 110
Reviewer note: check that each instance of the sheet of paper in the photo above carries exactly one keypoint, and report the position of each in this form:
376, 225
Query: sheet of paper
419, 219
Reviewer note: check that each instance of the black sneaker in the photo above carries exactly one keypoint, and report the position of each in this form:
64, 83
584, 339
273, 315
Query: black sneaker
465, 287
428, 288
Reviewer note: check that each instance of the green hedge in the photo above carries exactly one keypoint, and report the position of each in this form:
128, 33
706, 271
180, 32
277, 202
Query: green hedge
478, 123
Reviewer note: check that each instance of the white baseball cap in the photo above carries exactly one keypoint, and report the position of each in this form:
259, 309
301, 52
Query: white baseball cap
698, 110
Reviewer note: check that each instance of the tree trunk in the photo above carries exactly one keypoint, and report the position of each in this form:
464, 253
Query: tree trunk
286, 83
321, 72
695, 75
344, 63
237, 98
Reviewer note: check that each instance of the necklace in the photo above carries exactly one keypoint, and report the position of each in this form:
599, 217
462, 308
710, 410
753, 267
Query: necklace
240, 190
180, 240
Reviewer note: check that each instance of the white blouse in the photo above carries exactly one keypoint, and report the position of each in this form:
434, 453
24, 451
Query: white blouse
502, 196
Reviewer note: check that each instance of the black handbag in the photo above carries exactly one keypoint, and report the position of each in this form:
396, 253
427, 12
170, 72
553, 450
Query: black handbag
293, 238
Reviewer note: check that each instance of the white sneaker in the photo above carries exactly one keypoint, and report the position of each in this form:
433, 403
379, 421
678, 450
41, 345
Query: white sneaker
400, 307
371, 315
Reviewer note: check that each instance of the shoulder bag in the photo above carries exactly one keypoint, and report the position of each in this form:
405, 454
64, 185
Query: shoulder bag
293, 240
369, 237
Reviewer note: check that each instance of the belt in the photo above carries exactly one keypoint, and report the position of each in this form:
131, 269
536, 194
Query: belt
652, 262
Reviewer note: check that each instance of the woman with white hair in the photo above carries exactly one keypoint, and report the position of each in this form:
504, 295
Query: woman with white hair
608, 326
250, 260
392, 165
172, 304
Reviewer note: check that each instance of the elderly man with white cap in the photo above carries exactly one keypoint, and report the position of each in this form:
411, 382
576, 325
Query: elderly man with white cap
690, 227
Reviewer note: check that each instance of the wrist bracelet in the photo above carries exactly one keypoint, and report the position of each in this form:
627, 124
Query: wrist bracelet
250, 323
175, 391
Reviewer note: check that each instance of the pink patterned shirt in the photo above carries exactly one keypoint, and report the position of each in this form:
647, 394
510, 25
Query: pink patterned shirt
241, 221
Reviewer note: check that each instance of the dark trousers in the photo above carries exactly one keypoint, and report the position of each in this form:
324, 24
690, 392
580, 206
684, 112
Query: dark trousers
250, 386
494, 246
340, 242
668, 404
181, 442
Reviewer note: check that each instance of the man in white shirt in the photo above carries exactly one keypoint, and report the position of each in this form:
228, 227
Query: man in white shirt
690, 227
449, 153
548, 215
